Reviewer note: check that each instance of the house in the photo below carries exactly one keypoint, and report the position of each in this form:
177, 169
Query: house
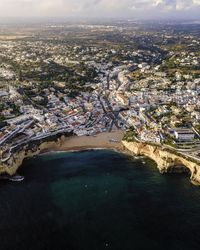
184, 134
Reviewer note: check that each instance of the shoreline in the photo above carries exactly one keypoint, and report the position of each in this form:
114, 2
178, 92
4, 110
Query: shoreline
167, 161
106, 140
82, 143
47, 152
121, 150
100, 141
103, 141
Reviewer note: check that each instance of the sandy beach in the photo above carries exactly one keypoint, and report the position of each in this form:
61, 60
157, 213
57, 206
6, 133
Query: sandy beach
106, 140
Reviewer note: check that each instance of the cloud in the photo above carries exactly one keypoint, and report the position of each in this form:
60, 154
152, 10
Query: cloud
98, 8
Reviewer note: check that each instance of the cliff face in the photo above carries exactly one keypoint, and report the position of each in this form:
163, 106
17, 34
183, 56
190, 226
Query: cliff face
10, 167
166, 161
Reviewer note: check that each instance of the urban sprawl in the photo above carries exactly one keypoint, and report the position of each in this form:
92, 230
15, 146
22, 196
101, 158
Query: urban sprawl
87, 79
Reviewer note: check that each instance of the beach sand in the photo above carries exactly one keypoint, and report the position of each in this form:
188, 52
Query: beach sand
102, 141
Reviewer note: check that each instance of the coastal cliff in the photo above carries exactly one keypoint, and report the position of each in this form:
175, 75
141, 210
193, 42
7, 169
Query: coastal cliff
11, 166
58, 142
167, 161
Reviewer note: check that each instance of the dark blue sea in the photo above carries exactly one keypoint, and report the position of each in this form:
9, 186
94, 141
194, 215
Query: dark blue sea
97, 200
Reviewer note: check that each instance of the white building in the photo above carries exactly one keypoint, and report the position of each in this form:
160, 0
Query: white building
184, 134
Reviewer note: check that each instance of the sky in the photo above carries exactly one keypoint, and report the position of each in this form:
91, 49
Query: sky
140, 9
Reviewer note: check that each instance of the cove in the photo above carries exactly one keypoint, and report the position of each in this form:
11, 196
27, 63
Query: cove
98, 200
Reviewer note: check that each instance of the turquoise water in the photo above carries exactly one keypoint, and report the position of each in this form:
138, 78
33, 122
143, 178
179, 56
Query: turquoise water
96, 200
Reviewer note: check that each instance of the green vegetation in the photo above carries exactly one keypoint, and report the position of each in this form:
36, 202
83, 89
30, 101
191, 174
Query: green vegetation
130, 135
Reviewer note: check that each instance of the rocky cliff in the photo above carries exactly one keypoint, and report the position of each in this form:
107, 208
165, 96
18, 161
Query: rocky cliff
27, 151
166, 160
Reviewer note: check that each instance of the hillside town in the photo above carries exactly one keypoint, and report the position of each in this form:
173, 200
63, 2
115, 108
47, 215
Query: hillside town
150, 93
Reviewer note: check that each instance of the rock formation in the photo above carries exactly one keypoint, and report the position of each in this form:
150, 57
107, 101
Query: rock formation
15, 161
166, 160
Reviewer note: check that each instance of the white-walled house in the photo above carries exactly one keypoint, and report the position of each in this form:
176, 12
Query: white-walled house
184, 134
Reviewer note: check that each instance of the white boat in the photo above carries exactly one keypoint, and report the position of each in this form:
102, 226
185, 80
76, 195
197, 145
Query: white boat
16, 178
114, 140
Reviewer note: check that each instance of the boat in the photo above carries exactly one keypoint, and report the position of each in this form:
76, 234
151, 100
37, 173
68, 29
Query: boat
138, 157
16, 178
114, 140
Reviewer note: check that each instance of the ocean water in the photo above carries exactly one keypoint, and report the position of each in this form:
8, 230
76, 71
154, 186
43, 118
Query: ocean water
96, 200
